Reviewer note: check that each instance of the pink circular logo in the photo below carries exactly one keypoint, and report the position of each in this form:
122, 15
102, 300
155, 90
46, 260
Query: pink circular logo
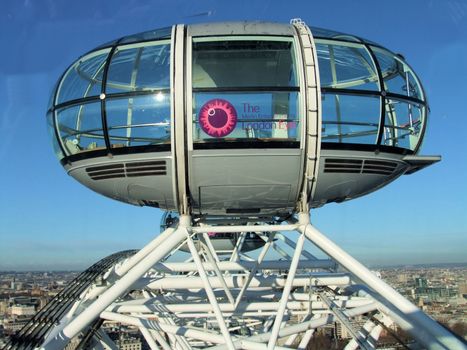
217, 117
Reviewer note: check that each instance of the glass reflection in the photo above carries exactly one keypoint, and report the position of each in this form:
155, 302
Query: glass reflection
51, 131
403, 123
84, 78
350, 118
138, 121
257, 76
140, 68
398, 78
80, 128
343, 65
243, 63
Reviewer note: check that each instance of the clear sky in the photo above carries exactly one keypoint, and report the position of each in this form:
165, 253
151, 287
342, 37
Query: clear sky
49, 221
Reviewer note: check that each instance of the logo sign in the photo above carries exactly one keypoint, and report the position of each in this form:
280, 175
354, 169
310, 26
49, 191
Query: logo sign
217, 117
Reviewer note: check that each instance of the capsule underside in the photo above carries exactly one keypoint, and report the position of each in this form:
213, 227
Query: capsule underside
238, 118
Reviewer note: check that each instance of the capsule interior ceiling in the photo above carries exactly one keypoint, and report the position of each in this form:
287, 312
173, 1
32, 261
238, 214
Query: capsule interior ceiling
112, 119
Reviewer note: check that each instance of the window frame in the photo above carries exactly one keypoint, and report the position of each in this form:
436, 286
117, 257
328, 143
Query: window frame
244, 143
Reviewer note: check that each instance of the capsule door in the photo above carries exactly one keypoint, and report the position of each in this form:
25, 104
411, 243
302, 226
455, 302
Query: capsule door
244, 125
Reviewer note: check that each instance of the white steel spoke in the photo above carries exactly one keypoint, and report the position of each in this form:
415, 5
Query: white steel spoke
246, 257
344, 321
105, 340
210, 293
208, 242
254, 269
168, 241
292, 244
149, 339
211, 255
178, 340
160, 339
281, 252
421, 327
238, 247
302, 327
286, 291
305, 339
291, 339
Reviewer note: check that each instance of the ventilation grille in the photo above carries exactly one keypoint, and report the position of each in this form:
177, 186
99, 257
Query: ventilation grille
153, 204
378, 167
334, 165
134, 169
359, 166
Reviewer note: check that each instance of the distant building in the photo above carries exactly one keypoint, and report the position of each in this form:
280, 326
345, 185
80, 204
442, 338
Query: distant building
421, 282
126, 342
3, 306
343, 333
74, 343
22, 310
463, 288
12, 326
402, 278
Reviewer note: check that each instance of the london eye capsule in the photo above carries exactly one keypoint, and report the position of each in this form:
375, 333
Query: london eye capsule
231, 119
236, 130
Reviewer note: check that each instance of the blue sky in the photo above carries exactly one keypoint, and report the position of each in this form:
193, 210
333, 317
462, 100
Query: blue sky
49, 221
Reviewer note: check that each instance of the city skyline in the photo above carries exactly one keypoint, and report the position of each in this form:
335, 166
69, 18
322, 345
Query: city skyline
440, 292
49, 221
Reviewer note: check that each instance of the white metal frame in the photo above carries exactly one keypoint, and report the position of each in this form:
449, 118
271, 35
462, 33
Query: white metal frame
207, 301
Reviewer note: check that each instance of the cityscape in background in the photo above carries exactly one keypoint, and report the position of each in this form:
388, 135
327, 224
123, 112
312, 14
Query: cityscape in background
439, 290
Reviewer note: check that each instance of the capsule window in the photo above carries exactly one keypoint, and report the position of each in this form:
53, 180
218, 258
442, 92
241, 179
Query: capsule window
350, 118
139, 121
403, 123
244, 89
80, 128
51, 131
139, 67
346, 66
84, 78
398, 77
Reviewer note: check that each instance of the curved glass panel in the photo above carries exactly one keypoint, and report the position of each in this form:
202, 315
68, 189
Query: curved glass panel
135, 117
84, 78
140, 120
245, 89
398, 78
331, 34
51, 102
139, 67
162, 33
343, 65
80, 128
107, 44
403, 123
350, 118
51, 131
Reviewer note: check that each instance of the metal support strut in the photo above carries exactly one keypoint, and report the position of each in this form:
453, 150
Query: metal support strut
180, 292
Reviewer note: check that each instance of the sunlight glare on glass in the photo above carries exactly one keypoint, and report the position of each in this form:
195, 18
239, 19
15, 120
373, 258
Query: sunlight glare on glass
159, 97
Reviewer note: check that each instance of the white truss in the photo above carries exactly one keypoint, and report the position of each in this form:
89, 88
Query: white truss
240, 300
